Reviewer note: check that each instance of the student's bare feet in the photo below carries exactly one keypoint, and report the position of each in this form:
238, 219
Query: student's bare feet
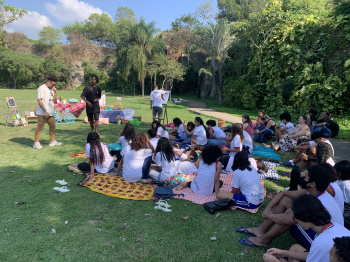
112, 174
145, 181
268, 146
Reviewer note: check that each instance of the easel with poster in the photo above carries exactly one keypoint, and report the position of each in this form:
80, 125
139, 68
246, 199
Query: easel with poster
165, 99
12, 111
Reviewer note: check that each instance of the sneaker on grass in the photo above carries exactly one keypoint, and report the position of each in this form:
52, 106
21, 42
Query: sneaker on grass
55, 143
37, 145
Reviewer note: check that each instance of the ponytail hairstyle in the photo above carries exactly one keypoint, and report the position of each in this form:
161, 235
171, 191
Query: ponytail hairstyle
200, 121
164, 146
158, 124
139, 142
177, 122
129, 132
237, 129
96, 152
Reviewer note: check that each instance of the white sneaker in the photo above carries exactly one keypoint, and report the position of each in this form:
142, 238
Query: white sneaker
55, 143
61, 189
61, 182
37, 145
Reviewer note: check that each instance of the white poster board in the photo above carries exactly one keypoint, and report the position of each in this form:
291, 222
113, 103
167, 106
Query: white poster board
128, 114
165, 98
103, 100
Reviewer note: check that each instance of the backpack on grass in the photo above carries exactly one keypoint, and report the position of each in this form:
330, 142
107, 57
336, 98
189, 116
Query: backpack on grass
164, 192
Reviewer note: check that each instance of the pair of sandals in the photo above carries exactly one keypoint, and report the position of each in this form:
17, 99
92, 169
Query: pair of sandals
163, 205
63, 189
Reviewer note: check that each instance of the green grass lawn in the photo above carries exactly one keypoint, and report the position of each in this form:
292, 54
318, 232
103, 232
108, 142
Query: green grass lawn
99, 227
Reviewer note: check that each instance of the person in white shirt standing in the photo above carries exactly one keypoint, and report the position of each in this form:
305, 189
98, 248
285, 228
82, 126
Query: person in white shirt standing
47, 96
156, 102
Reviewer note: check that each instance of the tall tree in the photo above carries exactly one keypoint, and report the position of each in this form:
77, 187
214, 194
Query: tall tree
100, 29
215, 41
50, 36
8, 14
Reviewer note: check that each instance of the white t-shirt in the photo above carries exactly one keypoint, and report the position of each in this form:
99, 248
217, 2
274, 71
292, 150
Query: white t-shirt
345, 187
162, 132
250, 185
230, 163
203, 183
124, 144
332, 207
201, 134
338, 195
154, 142
156, 97
106, 165
185, 167
248, 141
321, 245
235, 143
180, 129
46, 94
289, 126
217, 132
168, 168
133, 163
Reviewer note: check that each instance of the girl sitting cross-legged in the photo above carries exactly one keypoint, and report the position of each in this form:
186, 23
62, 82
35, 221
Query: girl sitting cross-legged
100, 160
207, 180
247, 191
161, 130
165, 161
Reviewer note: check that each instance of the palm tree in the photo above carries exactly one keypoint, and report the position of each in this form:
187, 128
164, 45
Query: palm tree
214, 43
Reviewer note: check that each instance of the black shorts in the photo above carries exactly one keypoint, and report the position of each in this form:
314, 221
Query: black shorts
93, 116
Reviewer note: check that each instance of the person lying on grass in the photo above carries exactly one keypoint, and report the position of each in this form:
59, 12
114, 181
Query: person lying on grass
309, 213
100, 160
207, 180
247, 191
278, 216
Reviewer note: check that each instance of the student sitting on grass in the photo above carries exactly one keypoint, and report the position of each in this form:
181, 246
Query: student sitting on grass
161, 130
152, 136
285, 127
248, 125
266, 130
237, 141
138, 159
180, 129
343, 175
100, 160
216, 133
189, 128
340, 251
125, 139
310, 214
200, 133
165, 161
247, 191
279, 217
207, 180
187, 166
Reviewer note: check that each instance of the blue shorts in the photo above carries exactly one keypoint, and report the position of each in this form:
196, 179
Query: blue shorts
241, 201
304, 237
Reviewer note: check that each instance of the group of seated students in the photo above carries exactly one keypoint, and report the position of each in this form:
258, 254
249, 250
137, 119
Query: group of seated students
314, 209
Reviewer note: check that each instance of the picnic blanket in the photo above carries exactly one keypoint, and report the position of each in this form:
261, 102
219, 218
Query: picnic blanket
117, 187
80, 155
265, 152
226, 187
271, 172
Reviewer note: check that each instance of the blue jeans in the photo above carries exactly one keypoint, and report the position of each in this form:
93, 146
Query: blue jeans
324, 130
215, 141
146, 166
262, 137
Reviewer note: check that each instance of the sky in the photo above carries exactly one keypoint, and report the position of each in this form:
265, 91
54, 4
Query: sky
57, 13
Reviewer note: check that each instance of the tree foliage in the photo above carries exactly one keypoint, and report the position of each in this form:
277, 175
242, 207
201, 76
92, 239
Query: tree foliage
50, 36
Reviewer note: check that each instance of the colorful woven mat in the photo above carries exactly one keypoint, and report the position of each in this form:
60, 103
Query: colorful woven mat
117, 187
80, 155
226, 187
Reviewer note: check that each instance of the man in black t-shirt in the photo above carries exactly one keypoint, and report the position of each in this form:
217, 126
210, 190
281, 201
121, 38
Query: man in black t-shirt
324, 125
91, 95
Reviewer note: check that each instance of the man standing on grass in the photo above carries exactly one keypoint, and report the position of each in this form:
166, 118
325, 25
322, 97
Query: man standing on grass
156, 102
91, 95
45, 110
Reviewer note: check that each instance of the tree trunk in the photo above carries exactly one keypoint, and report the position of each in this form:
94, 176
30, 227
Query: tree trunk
218, 86
133, 80
260, 65
14, 82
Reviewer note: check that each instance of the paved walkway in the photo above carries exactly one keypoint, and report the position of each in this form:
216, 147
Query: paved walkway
341, 147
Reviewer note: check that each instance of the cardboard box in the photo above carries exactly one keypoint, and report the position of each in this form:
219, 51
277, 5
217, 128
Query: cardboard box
138, 118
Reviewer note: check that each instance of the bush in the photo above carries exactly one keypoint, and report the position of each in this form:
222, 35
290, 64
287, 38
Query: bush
239, 93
